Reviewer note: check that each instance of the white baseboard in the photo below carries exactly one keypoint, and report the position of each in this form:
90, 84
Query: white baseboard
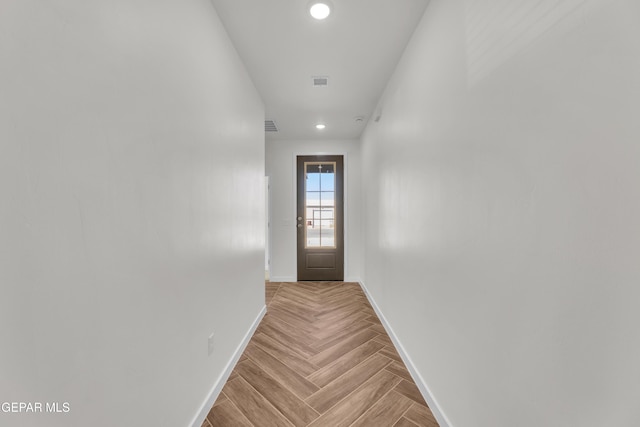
415, 374
283, 279
293, 279
222, 379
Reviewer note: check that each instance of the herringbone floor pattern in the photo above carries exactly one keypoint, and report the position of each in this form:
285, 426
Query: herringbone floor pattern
320, 357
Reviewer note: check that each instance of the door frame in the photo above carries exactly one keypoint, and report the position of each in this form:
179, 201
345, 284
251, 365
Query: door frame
345, 203
267, 214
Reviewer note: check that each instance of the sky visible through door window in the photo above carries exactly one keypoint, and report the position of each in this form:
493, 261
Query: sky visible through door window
320, 204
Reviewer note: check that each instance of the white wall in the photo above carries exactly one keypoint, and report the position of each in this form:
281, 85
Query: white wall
131, 208
503, 210
280, 167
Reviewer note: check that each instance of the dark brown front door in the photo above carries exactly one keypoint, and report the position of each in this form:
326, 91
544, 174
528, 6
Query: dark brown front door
320, 218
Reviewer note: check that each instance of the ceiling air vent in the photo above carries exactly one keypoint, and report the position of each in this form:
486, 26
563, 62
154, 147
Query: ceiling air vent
270, 126
320, 81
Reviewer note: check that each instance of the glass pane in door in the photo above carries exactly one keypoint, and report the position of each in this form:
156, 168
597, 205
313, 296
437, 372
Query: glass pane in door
320, 204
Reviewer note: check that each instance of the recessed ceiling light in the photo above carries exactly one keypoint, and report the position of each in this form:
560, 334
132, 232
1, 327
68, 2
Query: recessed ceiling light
320, 126
320, 10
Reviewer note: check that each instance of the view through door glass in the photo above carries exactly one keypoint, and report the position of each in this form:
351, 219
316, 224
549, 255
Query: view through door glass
320, 226
320, 202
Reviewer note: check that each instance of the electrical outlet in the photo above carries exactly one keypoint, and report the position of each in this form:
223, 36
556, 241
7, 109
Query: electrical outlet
210, 343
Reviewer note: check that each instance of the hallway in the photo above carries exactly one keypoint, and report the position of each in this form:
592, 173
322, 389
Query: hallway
320, 357
491, 212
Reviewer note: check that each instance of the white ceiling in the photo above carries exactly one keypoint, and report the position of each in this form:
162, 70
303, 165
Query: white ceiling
357, 46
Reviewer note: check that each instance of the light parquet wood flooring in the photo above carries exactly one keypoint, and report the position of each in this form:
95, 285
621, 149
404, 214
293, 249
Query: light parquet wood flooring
320, 357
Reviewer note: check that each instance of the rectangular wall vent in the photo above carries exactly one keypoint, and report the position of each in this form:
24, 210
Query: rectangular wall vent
320, 81
270, 126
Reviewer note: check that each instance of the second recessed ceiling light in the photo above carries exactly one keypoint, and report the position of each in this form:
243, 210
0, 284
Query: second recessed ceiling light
320, 126
320, 10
